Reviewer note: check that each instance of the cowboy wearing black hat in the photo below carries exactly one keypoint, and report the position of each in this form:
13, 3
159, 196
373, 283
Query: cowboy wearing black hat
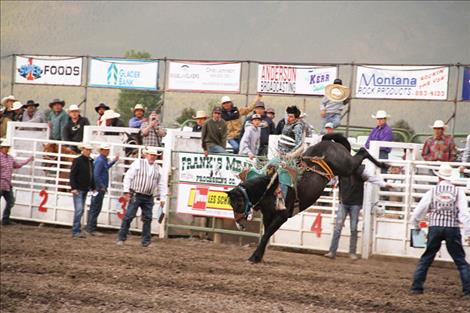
100, 108
57, 118
32, 114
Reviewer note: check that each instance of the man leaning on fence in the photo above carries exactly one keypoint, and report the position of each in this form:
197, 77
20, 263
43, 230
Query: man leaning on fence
439, 147
57, 118
143, 181
214, 133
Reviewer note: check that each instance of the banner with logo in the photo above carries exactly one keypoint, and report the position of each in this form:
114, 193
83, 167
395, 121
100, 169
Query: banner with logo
123, 73
402, 82
204, 76
203, 182
48, 70
466, 84
294, 79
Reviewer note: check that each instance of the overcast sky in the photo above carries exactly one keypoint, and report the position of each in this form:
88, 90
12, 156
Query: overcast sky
373, 32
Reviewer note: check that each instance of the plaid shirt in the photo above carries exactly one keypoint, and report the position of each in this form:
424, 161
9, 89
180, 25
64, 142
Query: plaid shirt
7, 164
154, 137
442, 149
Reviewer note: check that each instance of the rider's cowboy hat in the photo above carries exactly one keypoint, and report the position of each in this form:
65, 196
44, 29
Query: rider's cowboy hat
85, 146
101, 105
380, 114
138, 107
73, 107
31, 102
109, 114
337, 92
225, 99
438, 124
54, 101
152, 150
5, 99
444, 172
200, 114
16, 106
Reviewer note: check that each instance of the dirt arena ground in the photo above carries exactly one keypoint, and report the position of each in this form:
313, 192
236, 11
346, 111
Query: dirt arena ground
44, 270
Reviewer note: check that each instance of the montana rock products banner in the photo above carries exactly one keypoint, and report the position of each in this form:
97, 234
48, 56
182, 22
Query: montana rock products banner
402, 82
123, 73
294, 79
48, 70
203, 182
204, 76
466, 84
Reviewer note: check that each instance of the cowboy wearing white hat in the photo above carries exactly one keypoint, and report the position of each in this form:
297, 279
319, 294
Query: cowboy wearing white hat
15, 112
200, 118
447, 206
73, 129
111, 118
382, 132
332, 104
439, 147
57, 118
7, 102
138, 118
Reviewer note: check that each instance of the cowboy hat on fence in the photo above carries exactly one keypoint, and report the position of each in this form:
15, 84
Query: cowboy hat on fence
380, 114
337, 92
200, 114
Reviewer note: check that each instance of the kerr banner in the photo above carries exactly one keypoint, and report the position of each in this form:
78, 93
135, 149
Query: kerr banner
402, 82
466, 84
204, 76
294, 79
203, 182
48, 70
123, 73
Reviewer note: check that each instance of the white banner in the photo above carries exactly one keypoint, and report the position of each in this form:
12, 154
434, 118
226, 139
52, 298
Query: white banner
204, 76
402, 82
123, 73
48, 70
202, 183
294, 79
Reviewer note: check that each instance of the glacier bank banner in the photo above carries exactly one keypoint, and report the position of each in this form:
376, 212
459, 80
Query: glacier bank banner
402, 82
294, 79
123, 73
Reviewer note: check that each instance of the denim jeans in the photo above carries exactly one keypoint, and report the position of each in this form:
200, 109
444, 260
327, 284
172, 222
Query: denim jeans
146, 205
453, 240
95, 209
343, 211
216, 150
383, 155
79, 207
235, 143
9, 197
330, 118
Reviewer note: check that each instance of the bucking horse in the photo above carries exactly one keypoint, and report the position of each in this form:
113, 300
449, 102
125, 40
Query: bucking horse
320, 163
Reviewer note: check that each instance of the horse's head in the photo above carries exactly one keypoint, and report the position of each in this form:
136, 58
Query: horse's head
133, 139
50, 148
241, 205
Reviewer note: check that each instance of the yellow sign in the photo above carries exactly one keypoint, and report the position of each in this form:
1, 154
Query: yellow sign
214, 199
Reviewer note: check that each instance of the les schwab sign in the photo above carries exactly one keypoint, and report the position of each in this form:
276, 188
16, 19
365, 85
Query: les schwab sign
49, 70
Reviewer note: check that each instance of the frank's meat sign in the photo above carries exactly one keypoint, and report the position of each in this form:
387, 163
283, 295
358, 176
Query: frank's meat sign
294, 79
402, 82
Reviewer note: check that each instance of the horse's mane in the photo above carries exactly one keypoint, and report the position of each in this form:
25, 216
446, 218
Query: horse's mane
339, 138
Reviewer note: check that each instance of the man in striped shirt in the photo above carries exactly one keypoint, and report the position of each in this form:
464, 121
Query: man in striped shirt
447, 205
143, 181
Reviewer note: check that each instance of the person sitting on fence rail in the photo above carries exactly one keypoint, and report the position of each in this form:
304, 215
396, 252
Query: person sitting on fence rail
7, 102
4, 119
18, 109
439, 147
100, 109
250, 143
73, 129
143, 181
200, 118
332, 104
32, 114
214, 133
138, 119
81, 182
7, 164
266, 127
57, 118
111, 119
152, 131
447, 205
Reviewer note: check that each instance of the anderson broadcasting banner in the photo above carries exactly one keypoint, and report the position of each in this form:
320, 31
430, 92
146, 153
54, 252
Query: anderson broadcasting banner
203, 182
204, 76
294, 79
48, 70
402, 82
123, 73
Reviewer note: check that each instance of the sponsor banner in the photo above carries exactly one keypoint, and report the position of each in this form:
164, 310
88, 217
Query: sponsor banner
294, 79
466, 84
204, 76
204, 180
123, 73
48, 70
402, 82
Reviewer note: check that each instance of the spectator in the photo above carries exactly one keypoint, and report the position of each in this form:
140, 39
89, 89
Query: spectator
17, 109
138, 119
152, 132
271, 113
329, 128
81, 181
57, 118
266, 127
250, 142
32, 114
214, 133
7, 102
447, 205
100, 108
143, 181
382, 132
465, 156
101, 177
280, 125
111, 119
3, 122
232, 116
440, 147
7, 164
73, 129
351, 190
200, 118
332, 104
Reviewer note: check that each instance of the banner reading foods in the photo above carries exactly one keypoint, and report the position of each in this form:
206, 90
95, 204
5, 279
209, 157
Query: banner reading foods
402, 82
294, 79
203, 182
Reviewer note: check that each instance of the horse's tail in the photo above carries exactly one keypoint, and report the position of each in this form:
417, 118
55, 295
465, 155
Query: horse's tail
339, 138
367, 155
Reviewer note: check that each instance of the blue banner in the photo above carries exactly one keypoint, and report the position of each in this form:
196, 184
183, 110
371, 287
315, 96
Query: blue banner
466, 84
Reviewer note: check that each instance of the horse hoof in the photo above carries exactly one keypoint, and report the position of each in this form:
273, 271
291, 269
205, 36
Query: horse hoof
254, 260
